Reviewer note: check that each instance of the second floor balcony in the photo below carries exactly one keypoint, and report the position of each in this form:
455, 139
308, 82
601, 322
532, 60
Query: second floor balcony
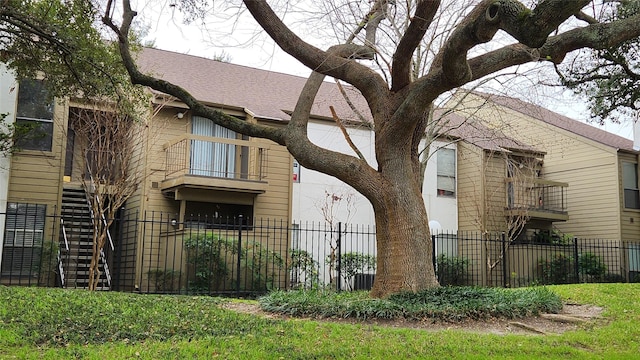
537, 199
213, 163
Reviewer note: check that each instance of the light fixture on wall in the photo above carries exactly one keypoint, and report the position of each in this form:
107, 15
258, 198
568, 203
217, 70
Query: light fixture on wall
180, 115
174, 222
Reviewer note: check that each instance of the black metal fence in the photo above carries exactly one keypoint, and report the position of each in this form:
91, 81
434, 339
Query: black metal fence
157, 253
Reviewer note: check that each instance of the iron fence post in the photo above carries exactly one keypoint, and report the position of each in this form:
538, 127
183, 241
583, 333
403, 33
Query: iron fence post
339, 257
239, 254
117, 254
433, 255
575, 259
505, 275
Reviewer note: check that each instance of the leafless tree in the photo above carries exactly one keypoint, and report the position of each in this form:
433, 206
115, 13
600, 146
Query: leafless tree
332, 203
113, 150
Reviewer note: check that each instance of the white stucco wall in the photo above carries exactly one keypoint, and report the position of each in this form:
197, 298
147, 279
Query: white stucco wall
310, 194
8, 98
441, 209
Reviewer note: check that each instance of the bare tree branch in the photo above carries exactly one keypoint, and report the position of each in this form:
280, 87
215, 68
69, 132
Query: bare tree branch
353, 108
363, 78
420, 22
346, 134
197, 107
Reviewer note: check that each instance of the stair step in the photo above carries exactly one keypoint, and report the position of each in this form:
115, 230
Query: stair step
78, 227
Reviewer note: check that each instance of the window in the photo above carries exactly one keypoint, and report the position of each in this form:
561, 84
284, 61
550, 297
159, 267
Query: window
23, 236
446, 162
630, 185
210, 158
35, 110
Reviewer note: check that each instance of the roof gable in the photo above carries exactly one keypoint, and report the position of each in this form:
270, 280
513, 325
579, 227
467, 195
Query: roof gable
561, 121
471, 130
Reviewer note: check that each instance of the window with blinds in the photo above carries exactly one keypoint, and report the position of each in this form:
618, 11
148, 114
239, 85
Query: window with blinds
446, 162
23, 237
209, 158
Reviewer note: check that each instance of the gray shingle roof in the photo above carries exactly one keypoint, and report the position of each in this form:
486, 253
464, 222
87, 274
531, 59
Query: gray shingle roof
267, 94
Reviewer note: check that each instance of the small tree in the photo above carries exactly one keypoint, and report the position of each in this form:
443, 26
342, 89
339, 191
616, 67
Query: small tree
330, 206
488, 193
112, 146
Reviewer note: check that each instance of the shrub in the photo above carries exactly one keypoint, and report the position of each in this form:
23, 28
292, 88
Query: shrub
451, 270
213, 260
558, 270
304, 269
164, 280
206, 253
591, 265
613, 278
47, 268
442, 303
353, 263
261, 264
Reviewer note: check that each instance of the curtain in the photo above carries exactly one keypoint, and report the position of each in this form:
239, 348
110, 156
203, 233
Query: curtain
209, 158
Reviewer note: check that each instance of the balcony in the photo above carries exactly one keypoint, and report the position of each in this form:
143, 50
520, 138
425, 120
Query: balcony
212, 163
537, 199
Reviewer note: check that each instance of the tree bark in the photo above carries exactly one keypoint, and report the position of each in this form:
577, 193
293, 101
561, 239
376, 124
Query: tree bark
404, 248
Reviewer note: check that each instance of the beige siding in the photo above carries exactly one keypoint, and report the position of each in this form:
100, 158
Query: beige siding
590, 169
35, 175
166, 127
494, 175
274, 203
470, 186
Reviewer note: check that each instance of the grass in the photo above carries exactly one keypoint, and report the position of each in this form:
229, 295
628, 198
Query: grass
64, 324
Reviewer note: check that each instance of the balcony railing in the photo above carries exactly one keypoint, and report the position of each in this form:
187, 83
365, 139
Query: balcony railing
537, 197
216, 158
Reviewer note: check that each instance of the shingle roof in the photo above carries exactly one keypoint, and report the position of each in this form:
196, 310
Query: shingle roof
273, 95
267, 94
561, 121
471, 130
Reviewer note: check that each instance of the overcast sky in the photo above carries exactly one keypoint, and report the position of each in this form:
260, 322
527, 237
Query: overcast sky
244, 45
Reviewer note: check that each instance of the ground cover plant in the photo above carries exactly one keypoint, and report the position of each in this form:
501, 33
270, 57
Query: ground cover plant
444, 303
177, 327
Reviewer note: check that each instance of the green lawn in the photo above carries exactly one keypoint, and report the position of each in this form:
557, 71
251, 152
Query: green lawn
54, 324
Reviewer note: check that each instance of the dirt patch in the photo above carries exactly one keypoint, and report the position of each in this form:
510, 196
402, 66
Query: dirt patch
572, 317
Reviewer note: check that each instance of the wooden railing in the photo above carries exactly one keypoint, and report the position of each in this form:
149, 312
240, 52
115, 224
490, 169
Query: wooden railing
537, 194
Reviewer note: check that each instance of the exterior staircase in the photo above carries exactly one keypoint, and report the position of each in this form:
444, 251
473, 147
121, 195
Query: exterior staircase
77, 235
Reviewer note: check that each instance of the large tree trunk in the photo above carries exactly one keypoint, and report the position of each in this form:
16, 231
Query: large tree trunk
405, 254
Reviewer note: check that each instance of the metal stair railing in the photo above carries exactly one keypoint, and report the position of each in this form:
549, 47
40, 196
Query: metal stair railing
66, 248
107, 274
103, 257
